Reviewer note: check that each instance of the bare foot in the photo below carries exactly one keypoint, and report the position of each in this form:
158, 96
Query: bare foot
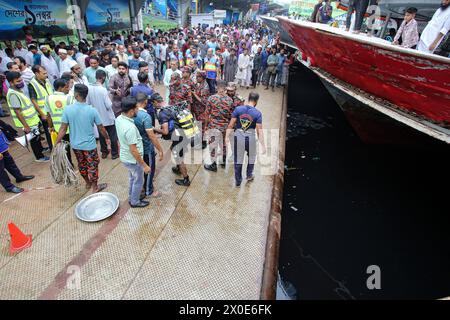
100, 187
155, 194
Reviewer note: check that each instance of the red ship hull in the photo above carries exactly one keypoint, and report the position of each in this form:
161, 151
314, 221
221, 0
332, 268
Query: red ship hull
414, 82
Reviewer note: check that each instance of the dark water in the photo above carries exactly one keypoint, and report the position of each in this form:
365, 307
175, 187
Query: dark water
348, 205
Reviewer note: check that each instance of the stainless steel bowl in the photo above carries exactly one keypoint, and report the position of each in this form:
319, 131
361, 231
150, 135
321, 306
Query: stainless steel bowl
97, 206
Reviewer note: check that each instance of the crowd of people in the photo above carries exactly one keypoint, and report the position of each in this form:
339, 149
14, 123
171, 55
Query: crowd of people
106, 90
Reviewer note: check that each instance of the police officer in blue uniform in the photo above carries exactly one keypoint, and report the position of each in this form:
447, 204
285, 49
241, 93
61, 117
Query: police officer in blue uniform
7, 163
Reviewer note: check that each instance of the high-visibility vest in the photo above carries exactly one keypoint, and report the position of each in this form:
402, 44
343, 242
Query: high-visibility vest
187, 123
41, 92
26, 107
56, 104
179, 58
211, 68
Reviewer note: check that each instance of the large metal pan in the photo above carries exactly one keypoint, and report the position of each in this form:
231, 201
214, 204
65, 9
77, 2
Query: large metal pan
97, 207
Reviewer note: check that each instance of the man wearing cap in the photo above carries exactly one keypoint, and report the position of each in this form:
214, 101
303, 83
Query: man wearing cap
218, 116
231, 92
65, 63
78, 77
200, 96
186, 78
170, 131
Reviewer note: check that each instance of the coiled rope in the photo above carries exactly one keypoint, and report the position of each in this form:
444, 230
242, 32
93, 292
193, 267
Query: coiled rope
61, 169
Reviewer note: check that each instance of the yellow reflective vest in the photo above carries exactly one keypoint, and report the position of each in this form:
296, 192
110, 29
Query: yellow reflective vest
41, 91
56, 103
26, 107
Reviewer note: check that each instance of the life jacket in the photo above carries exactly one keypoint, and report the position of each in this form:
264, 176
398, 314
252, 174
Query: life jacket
26, 107
211, 67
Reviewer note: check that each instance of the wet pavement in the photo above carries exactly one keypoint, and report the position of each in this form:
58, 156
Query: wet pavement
206, 241
348, 206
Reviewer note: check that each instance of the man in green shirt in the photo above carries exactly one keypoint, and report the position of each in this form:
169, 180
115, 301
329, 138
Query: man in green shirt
132, 151
94, 63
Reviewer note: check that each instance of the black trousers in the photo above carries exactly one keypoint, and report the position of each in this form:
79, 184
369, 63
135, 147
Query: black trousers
8, 164
255, 75
68, 152
212, 85
113, 137
361, 8
351, 7
48, 137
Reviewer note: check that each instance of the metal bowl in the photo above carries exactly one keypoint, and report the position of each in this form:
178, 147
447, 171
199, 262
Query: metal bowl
97, 206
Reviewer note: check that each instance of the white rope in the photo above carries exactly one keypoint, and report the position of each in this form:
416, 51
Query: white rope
61, 169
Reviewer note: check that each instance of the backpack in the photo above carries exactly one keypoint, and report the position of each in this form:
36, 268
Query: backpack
182, 119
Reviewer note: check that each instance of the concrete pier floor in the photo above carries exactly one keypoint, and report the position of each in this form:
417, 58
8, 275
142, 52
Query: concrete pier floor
206, 241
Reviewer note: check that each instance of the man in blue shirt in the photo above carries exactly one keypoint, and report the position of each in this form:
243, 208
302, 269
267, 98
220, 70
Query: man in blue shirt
133, 63
7, 163
264, 55
81, 117
245, 121
281, 59
144, 88
143, 122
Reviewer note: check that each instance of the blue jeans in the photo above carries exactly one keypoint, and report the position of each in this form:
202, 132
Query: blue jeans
244, 143
150, 160
136, 181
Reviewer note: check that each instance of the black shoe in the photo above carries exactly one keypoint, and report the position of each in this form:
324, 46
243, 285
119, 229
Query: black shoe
238, 183
24, 178
115, 157
204, 144
183, 182
140, 204
176, 170
16, 190
251, 178
211, 167
104, 155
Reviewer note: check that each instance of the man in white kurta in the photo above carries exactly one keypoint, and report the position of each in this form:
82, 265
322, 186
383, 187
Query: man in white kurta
168, 76
243, 67
436, 29
65, 63
49, 63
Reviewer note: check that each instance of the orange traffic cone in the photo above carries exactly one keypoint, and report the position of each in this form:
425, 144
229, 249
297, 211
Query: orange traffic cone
19, 240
